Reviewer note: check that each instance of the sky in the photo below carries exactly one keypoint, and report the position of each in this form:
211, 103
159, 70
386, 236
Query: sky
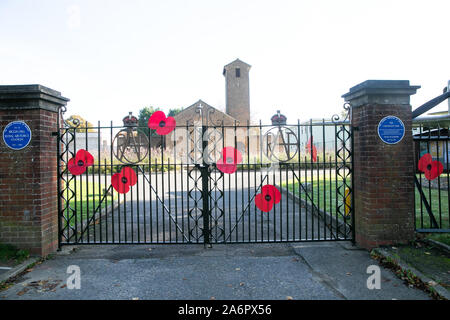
110, 57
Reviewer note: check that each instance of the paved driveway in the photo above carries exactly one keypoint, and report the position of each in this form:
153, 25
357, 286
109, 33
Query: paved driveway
326, 270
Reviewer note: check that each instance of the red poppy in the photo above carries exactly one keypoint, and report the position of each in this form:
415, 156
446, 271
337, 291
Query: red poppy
80, 162
124, 180
432, 169
231, 157
160, 123
314, 149
269, 196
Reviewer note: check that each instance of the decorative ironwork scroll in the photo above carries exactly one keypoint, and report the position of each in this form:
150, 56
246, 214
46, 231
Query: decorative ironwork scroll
344, 138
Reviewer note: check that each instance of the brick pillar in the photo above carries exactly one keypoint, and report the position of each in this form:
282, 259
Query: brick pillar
383, 173
28, 179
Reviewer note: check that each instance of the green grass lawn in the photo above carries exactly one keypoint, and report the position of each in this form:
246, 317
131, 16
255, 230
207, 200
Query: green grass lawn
324, 194
441, 237
442, 218
87, 200
428, 259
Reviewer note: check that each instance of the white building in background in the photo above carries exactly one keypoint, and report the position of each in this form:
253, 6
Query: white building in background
322, 133
323, 136
91, 143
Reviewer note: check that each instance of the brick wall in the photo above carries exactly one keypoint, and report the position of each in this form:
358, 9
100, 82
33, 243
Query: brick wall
28, 177
28, 195
384, 184
383, 173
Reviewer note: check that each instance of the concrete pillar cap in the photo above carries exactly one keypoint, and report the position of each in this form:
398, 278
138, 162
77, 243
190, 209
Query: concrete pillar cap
382, 92
31, 96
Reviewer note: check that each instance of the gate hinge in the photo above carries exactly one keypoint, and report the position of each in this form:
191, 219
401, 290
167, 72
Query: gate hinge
55, 134
356, 128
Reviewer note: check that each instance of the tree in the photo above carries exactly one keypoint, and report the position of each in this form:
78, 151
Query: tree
175, 111
145, 114
73, 121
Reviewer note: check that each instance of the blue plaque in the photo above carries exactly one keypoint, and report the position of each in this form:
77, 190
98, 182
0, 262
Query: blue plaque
391, 130
17, 135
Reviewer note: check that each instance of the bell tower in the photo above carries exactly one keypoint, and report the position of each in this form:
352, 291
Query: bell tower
237, 90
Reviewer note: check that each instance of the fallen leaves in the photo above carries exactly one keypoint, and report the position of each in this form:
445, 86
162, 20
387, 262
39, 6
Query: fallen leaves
41, 286
432, 283
23, 291
5, 286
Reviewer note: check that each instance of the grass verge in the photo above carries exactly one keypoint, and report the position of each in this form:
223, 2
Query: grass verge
12, 256
428, 261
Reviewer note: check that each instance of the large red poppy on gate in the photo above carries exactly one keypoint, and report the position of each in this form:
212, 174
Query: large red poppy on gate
231, 157
162, 124
122, 181
269, 196
311, 149
432, 169
80, 162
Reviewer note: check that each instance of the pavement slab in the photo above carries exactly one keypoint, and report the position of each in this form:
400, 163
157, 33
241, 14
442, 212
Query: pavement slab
344, 268
240, 271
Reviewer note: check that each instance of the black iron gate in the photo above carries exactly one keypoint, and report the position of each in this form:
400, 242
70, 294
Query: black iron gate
205, 181
432, 178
